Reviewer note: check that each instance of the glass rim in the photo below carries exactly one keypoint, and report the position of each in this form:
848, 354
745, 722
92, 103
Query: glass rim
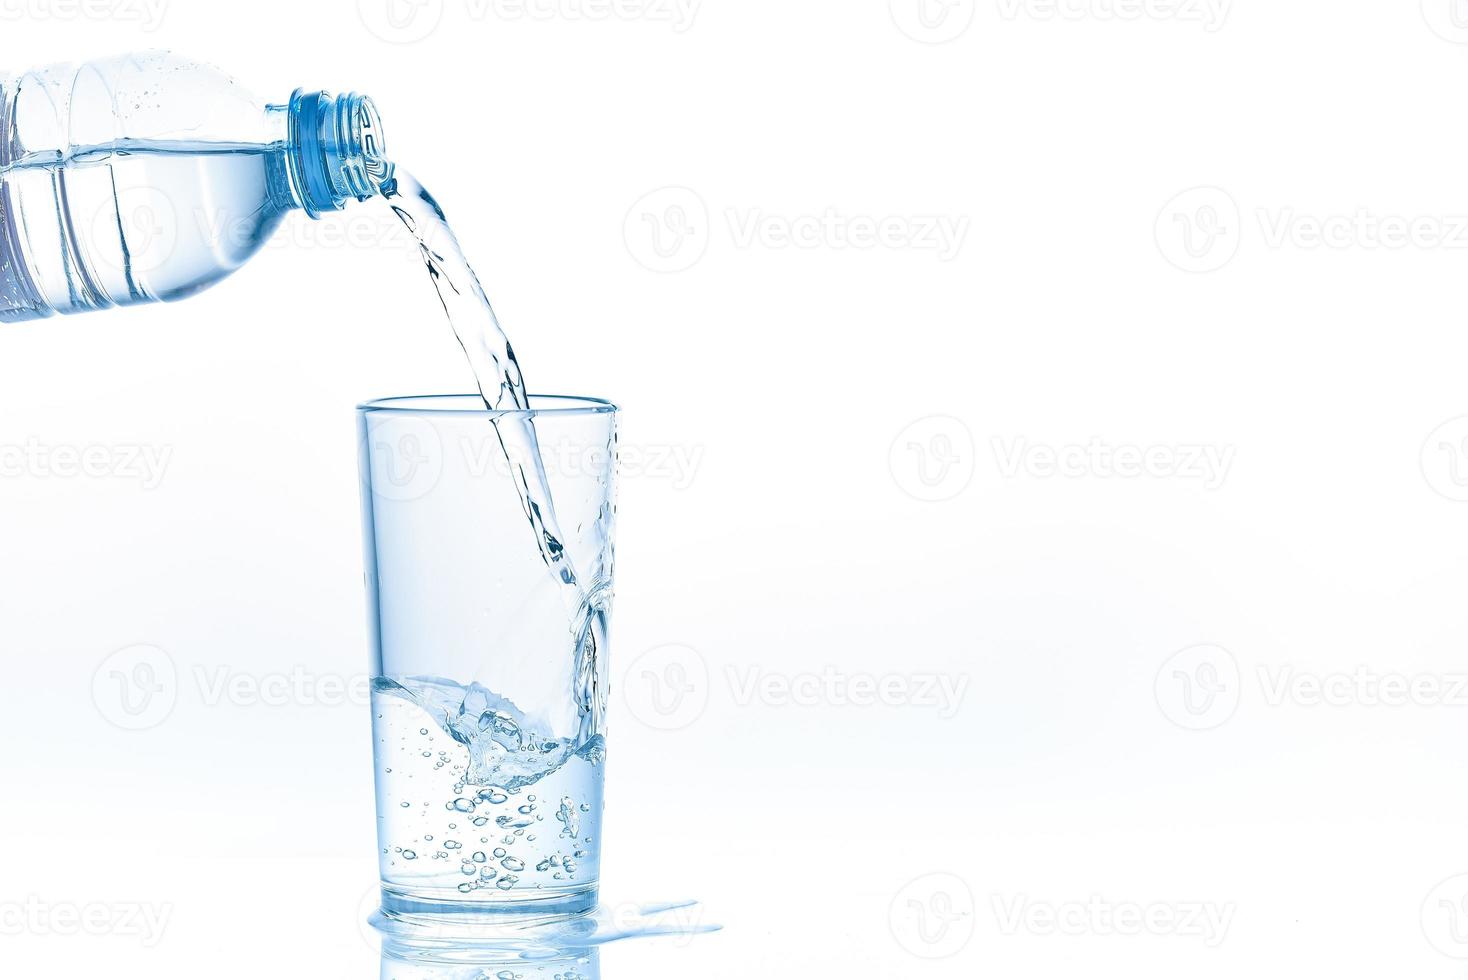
473, 404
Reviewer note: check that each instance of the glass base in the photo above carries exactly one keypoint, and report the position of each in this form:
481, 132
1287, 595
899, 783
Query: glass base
434, 910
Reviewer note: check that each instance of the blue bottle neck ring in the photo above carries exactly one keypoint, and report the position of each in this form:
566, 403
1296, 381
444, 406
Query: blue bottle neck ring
336, 151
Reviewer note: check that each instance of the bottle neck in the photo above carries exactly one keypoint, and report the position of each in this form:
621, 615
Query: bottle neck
335, 150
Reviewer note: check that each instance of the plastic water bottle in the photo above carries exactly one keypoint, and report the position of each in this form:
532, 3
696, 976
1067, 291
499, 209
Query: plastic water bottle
151, 177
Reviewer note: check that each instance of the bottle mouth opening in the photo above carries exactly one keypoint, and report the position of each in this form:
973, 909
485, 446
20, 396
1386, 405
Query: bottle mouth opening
364, 165
338, 150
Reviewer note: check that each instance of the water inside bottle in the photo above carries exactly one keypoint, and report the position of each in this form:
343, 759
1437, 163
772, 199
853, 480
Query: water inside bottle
156, 220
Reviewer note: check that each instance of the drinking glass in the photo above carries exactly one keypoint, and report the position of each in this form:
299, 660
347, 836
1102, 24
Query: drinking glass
488, 570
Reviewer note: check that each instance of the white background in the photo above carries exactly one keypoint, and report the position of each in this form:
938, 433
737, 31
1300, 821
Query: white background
1140, 734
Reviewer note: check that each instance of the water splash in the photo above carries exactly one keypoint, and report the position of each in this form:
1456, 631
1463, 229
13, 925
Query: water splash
502, 387
508, 749
428, 940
